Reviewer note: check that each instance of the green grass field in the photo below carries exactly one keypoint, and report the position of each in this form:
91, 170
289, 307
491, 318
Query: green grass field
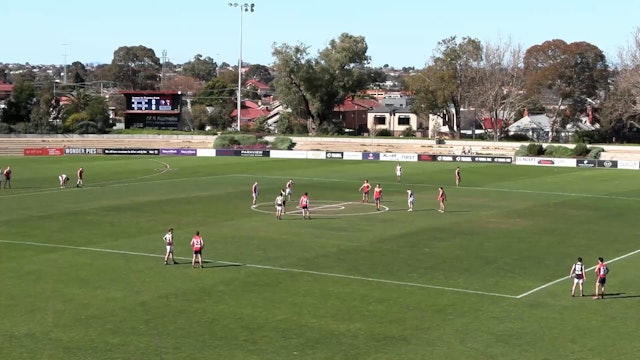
82, 276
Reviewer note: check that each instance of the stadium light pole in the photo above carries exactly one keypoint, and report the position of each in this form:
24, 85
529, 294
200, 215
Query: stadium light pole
246, 7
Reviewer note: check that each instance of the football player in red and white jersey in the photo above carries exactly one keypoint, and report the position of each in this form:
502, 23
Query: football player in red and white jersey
304, 205
7, 177
377, 196
365, 190
197, 244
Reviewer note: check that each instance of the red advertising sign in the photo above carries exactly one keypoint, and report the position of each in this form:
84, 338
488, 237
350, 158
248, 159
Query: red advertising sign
43, 151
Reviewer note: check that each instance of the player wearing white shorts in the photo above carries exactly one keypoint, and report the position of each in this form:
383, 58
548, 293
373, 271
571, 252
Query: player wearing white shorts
398, 172
578, 275
64, 179
289, 189
168, 242
410, 199
279, 206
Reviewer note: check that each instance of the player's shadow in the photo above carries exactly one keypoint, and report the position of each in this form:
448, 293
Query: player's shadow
219, 265
414, 210
619, 296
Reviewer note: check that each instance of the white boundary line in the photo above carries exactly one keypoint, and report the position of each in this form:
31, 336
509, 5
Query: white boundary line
328, 206
118, 183
113, 183
352, 277
565, 278
462, 187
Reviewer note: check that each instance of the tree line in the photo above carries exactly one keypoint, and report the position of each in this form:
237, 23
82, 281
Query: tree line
499, 80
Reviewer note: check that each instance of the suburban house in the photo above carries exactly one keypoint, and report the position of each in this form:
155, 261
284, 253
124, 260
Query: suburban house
262, 89
395, 119
353, 113
5, 93
249, 112
536, 127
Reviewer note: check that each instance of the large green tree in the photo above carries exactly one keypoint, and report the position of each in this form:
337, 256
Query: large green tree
20, 104
312, 87
136, 68
446, 83
260, 73
85, 113
203, 69
574, 73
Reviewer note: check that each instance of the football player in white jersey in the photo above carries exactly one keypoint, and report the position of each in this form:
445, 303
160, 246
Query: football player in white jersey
168, 242
579, 276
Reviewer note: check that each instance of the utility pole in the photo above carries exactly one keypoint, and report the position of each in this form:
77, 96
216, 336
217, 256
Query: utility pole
164, 60
65, 63
246, 7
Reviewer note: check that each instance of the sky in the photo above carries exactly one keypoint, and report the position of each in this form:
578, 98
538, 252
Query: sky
402, 34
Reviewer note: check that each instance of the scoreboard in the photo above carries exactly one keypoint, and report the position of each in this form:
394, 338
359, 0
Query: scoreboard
152, 103
152, 109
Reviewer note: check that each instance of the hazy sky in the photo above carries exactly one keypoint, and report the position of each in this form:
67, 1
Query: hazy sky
402, 33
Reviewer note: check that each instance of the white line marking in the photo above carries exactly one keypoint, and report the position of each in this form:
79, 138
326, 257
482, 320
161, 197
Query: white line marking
565, 278
465, 187
266, 267
166, 167
299, 211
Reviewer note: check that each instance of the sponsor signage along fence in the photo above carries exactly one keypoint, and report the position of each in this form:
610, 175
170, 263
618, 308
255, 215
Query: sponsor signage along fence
398, 157
586, 163
81, 151
244, 153
628, 164
316, 154
178, 152
352, 155
127, 151
252, 153
608, 164
459, 158
426, 157
561, 162
225, 152
288, 154
206, 152
370, 156
334, 155
43, 151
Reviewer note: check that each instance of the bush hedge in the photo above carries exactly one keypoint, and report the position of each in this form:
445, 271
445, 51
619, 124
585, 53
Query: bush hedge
282, 143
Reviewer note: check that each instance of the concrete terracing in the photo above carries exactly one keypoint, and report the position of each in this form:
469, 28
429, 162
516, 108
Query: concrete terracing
14, 144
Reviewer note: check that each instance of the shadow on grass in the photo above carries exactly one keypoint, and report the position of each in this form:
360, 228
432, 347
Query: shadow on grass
619, 296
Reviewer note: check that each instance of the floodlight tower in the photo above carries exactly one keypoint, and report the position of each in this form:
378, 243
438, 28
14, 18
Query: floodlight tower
246, 7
